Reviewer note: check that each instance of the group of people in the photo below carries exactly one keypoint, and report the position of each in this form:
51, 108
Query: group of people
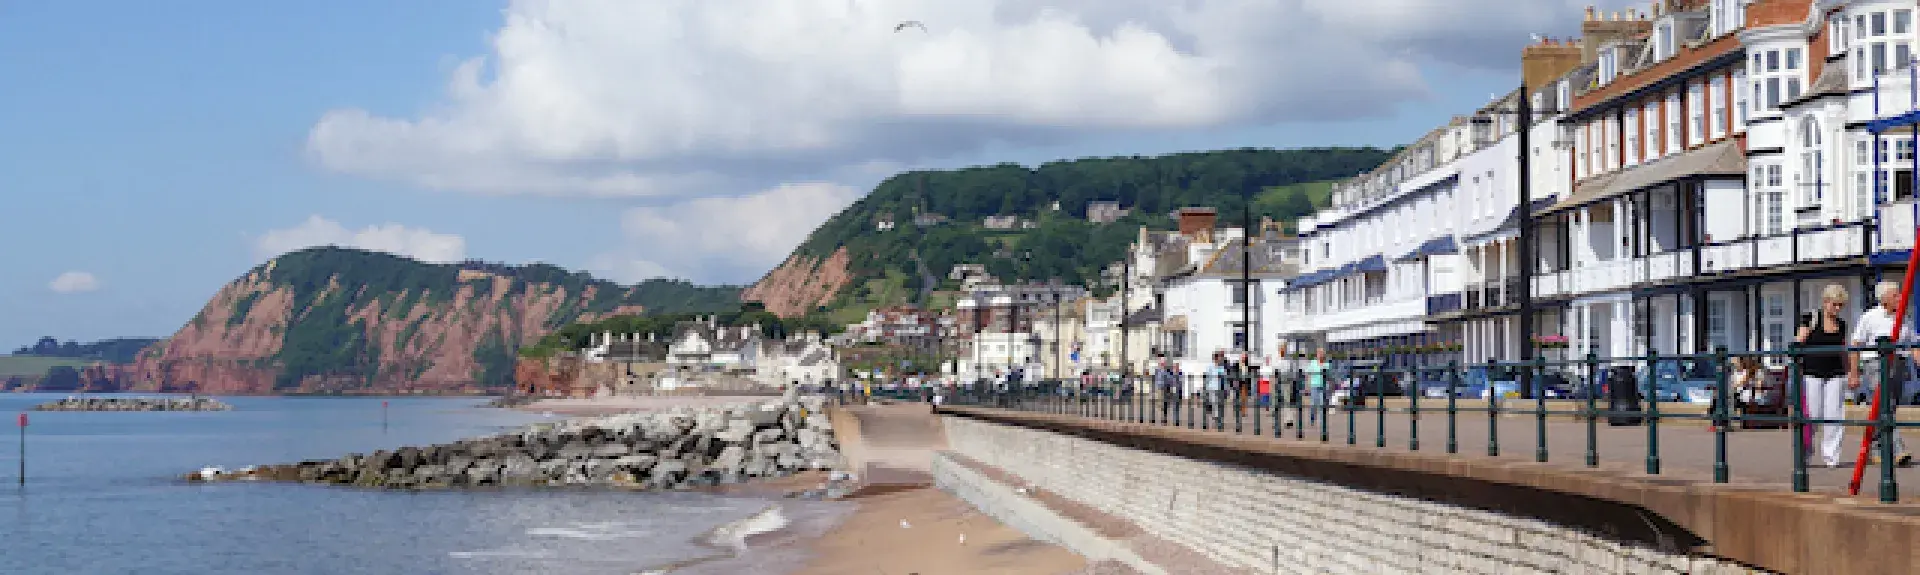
1831, 375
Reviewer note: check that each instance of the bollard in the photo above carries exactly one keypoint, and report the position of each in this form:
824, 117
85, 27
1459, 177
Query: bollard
1653, 413
1723, 399
1592, 391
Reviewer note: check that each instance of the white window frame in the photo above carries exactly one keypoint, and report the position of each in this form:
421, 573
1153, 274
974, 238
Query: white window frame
1696, 113
1632, 131
1650, 124
1742, 98
1717, 106
1676, 123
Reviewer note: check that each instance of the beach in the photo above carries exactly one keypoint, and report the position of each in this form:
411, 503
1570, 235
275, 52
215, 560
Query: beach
896, 523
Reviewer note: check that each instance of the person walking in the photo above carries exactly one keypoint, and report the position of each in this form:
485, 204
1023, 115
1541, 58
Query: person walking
1168, 381
1827, 374
1316, 371
1216, 386
1873, 325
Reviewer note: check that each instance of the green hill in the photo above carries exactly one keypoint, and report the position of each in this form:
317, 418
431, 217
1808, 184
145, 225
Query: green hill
884, 264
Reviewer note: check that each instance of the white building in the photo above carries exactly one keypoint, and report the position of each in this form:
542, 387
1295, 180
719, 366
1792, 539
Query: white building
1698, 173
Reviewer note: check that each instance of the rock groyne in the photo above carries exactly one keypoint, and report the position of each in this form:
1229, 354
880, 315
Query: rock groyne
685, 447
134, 404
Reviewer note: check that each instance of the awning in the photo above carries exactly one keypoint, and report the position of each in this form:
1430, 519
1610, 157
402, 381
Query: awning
1722, 159
1373, 263
1435, 246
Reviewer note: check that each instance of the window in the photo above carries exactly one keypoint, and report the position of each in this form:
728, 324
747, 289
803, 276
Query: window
1613, 143
1777, 77
1650, 122
1716, 322
1675, 123
1633, 137
1811, 175
1767, 180
1776, 318
1740, 96
1696, 114
1882, 43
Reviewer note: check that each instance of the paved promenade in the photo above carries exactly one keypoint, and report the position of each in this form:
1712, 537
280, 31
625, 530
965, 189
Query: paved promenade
1686, 447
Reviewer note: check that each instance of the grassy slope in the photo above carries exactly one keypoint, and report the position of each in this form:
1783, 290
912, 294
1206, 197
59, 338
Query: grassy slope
30, 365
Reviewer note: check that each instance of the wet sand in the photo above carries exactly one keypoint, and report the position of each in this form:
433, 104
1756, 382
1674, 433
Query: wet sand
919, 530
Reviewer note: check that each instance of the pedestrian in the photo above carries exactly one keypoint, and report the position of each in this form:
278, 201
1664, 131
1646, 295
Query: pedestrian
1873, 325
1168, 381
1317, 385
1828, 373
1746, 374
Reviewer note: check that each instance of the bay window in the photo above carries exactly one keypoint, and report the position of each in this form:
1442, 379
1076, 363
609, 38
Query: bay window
1776, 77
1882, 42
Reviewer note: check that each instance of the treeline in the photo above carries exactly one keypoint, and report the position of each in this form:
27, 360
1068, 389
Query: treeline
1062, 244
116, 350
662, 326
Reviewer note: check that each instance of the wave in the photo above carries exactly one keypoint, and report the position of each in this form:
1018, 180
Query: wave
508, 553
734, 535
591, 532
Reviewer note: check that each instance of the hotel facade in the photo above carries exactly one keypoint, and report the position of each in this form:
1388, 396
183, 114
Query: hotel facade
1697, 173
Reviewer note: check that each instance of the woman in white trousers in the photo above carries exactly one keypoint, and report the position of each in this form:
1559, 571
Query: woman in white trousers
1827, 373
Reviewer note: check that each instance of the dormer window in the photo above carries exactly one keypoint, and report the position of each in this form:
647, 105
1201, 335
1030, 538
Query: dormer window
1663, 40
1607, 68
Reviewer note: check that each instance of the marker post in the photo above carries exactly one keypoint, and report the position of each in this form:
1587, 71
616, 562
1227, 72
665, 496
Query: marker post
23, 449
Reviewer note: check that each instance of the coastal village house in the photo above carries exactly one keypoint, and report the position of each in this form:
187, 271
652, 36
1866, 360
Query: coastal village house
1698, 171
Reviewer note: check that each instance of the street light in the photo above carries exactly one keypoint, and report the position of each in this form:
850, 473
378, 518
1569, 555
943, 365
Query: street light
1524, 110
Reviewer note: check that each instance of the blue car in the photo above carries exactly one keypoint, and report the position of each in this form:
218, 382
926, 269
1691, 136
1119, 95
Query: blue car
1680, 381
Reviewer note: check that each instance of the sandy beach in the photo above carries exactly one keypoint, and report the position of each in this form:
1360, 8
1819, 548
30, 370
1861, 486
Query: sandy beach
897, 524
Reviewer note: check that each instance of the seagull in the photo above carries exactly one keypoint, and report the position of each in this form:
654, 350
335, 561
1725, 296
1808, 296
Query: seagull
910, 24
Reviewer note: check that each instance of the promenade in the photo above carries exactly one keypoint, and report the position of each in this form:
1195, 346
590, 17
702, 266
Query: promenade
1757, 457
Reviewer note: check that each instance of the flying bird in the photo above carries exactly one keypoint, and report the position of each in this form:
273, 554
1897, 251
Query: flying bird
910, 24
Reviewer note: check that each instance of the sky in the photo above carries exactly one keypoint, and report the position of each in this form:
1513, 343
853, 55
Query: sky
151, 152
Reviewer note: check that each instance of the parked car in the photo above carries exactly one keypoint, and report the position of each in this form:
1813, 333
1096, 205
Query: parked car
1681, 381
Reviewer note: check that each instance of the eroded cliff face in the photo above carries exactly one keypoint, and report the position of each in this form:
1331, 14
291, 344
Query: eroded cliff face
416, 343
801, 283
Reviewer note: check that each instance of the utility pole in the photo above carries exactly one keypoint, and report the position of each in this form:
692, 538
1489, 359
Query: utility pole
1126, 277
1057, 357
1526, 239
1246, 276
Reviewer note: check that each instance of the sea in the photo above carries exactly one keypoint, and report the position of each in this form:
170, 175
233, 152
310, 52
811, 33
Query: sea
104, 495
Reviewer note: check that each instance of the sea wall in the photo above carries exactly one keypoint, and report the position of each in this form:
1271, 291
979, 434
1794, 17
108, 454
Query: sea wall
685, 447
1266, 522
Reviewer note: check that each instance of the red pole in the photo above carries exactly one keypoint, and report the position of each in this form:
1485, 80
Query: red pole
1899, 318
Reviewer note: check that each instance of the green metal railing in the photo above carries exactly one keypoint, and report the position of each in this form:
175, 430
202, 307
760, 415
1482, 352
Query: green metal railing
1198, 402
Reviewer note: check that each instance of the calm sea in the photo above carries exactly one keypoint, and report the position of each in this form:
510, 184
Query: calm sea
103, 496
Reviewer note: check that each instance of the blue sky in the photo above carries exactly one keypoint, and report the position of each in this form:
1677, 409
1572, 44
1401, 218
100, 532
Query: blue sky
153, 145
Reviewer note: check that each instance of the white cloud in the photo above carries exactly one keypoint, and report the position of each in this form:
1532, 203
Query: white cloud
727, 237
74, 282
417, 243
682, 98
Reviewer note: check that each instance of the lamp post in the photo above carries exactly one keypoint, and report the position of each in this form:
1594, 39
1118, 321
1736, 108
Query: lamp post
1524, 110
1057, 357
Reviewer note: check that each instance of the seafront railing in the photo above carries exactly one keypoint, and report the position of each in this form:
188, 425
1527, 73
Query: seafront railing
1649, 392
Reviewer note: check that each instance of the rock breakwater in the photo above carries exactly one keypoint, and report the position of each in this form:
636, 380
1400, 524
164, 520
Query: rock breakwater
134, 404
685, 447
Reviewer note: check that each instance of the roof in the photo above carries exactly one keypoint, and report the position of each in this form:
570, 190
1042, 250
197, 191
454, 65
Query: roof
1265, 260
1723, 158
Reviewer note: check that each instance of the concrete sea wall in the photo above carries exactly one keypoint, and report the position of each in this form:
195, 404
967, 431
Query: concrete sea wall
1264, 522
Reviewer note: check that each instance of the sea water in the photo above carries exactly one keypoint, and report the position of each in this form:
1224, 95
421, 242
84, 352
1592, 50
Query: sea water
103, 495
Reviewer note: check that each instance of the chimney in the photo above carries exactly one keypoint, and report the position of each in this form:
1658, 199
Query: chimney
1546, 61
1598, 29
1197, 223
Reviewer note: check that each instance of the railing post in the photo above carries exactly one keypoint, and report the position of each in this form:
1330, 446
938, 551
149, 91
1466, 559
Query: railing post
1413, 411
1453, 407
1796, 400
1719, 415
1538, 384
1884, 427
1592, 392
1187, 397
1493, 413
1653, 411
1380, 405
1253, 391
1353, 436
1274, 402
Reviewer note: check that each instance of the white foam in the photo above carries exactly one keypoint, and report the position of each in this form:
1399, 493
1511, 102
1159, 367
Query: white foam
591, 531
734, 535
517, 554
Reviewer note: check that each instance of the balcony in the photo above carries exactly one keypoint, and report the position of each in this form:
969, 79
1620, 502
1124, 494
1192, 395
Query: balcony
1443, 303
1801, 245
1493, 294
